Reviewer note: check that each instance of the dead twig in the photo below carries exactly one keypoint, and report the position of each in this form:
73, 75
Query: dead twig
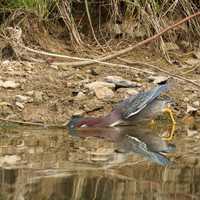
161, 70
87, 59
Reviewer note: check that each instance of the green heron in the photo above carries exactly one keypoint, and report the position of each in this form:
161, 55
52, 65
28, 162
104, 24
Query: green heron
128, 140
145, 104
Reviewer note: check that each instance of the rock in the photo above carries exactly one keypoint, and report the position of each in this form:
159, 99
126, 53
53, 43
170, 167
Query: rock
121, 82
38, 96
158, 79
104, 93
80, 96
54, 66
191, 133
171, 46
186, 99
78, 113
30, 93
196, 103
9, 84
99, 84
23, 99
126, 92
20, 105
190, 109
93, 105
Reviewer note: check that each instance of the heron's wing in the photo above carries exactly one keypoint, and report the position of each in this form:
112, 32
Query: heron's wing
134, 104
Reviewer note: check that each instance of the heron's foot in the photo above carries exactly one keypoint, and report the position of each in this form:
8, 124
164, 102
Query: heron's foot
171, 134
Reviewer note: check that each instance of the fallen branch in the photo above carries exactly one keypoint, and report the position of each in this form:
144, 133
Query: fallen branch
77, 58
161, 70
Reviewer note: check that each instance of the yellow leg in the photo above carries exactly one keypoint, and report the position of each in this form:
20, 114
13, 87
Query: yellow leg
169, 111
171, 135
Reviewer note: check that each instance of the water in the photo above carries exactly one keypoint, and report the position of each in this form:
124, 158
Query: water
37, 163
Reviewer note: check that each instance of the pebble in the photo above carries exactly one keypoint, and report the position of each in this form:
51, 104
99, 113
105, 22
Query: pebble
23, 99
121, 82
190, 109
191, 133
80, 96
126, 92
104, 93
19, 105
99, 84
9, 84
196, 103
186, 99
38, 96
30, 93
158, 79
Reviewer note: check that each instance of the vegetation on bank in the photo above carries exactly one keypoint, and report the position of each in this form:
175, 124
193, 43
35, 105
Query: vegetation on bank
100, 20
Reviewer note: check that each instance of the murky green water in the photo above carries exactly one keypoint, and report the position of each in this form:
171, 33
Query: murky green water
49, 164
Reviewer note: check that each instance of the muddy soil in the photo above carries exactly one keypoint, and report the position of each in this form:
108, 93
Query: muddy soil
52, 93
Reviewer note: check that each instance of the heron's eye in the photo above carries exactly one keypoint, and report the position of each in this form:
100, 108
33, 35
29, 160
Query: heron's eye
83, 125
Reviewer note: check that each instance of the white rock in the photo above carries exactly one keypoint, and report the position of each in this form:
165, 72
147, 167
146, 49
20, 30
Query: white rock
103, 93
126, 92
20, 105
158, 79
190, 109
191, 133
99, 84
196, 103
22, 99
119, 81
9, 84
186, 99
80, 96
30, 93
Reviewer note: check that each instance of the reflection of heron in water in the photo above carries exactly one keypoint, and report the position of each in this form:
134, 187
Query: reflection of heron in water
132, 140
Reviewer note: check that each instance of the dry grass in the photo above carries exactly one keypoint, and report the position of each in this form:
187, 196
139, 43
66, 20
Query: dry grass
134, 19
